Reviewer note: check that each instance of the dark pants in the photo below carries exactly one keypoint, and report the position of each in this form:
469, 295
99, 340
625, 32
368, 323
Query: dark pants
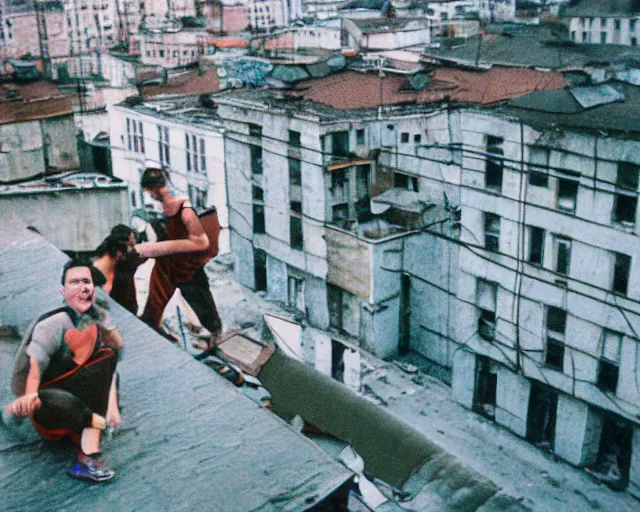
69, 403
167, 275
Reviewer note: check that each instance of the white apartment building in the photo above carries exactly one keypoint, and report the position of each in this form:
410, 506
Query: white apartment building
603, 22
264, 15
185, 138
171, 49
501, 245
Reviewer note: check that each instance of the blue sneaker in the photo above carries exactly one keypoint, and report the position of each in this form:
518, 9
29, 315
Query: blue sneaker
91, 468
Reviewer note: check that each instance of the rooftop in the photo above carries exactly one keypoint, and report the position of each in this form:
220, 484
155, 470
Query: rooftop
535, 46
28, 102
63, 182
386, 24
186, 109
598, 8
190, 82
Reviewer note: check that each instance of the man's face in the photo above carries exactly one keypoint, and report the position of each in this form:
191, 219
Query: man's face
78, 291
154, 193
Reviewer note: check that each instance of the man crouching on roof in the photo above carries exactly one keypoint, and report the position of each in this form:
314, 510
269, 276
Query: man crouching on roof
64, 371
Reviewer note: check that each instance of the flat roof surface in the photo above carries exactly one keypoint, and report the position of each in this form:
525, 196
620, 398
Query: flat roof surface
189, 440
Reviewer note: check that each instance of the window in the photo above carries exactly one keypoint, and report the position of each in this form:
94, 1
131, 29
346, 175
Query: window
256, 159
556, 326
495, 164
567, 191
417, 138
203, 157
405, 181
621, 269
486, 301
255, 130
197, 197
608, 366
257, 193
536, 245
296, 240
632, 25
135, 136
296, 293
625, 200
585, 37
196, 156
360, 136
538, 166
294, 139
492, 232
295, 174
603, 37
161, 52
616, 24
163, 145
404, 137
340, 144
561, 254
258, 218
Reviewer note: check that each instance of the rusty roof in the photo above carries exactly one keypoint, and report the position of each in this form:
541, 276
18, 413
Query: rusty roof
354, 90
189, 83
20, 110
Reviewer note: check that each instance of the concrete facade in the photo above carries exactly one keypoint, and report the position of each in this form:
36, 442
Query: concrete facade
179, 135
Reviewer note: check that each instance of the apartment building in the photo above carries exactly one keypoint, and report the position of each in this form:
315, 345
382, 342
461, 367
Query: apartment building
180, 134
596, 22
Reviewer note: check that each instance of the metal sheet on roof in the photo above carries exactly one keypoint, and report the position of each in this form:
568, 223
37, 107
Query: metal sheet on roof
593, 96
190, 440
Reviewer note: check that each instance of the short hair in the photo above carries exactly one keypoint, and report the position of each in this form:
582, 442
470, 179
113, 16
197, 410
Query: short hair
111, 245
153, 177
78, 262
122, 232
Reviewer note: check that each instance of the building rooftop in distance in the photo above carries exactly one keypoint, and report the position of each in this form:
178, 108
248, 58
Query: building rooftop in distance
190, 82
27, 102
534, 46
66, 181
183, 109
600, 9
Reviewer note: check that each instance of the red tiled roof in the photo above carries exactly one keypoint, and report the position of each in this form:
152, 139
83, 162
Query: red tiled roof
31, 91
18, 111
187, 84
353, 90
228, 42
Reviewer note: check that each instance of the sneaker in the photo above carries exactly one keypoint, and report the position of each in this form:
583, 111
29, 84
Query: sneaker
91, 468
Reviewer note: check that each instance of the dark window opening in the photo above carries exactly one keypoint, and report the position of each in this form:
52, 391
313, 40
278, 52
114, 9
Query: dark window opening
556, 319
538, 167
258, 193
406, 182
495, 164
417, 138
562, 254
487, 325
255, 130
555, 354
567, 194
340, 212
541, 417
337, 360
335, 304
624, 209
295, 232
258, 219
608, 376
536, 247
491, 232
294, 138
621, 269
614, 455
486, 387
404, 137
256, 159
360, 136
340, 144
296, 206
295, 174
260, 269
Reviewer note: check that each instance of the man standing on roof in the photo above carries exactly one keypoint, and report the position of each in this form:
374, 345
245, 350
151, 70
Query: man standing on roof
179, 260
64, 371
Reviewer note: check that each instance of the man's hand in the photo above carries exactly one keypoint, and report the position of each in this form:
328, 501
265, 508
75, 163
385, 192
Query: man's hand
23, 406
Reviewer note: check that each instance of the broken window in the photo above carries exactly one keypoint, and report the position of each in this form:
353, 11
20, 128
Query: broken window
337, 360
561, 254
295, 174
486, 387
492, 232
486, 294
609, 360
296, 293
417, 138
340, 143
255, 130
294, 138
257, 193
626, 195
536, 245
614, 455
495, 164
260, 269
339, 213
363, 203
556, 326
360, 136
621, 269
405, 182
256, 159
541, 416
538, 166
568, 184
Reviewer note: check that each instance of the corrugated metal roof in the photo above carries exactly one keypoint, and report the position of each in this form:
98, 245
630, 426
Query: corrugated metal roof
190, 440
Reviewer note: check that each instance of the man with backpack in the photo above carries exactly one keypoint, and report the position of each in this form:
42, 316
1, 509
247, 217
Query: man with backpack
179, 259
